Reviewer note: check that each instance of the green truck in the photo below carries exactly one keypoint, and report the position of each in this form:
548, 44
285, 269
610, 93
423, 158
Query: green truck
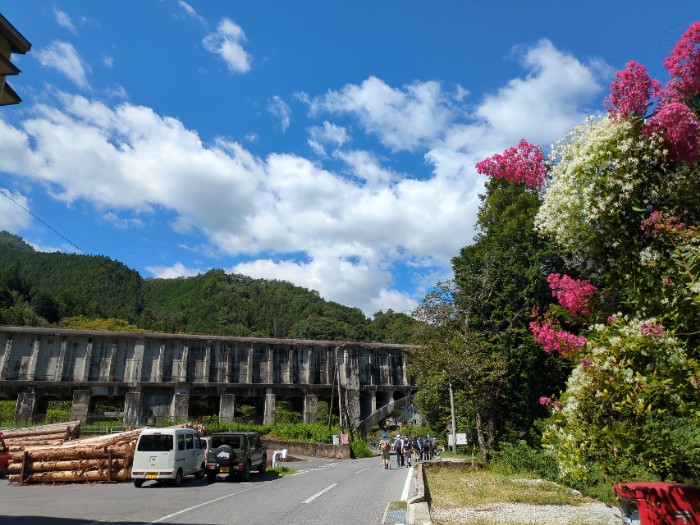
235, 455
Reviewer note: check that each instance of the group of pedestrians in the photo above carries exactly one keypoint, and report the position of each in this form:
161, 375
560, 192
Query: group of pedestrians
406, 449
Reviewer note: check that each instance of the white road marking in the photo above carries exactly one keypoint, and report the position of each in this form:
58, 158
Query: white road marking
407, 485
183, 511
319, 493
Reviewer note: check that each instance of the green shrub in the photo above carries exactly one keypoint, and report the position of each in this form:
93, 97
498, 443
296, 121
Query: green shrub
519, 457
360, 449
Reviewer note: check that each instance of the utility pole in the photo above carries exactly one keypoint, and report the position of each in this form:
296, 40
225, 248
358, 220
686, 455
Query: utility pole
454, 420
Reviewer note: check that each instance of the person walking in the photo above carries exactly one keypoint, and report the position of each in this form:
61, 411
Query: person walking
384, 450
398, 448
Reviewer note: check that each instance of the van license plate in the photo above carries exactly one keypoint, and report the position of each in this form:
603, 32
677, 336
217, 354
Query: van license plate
223, 469
151, 475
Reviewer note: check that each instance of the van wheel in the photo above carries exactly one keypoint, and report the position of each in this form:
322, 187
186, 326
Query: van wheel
200, 473
138, 483
245, 475
178, 477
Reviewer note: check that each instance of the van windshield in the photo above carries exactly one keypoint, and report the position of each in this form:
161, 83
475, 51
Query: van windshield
155, 443
231, 441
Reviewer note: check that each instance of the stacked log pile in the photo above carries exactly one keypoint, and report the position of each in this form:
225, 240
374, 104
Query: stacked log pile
95, 459
54, 434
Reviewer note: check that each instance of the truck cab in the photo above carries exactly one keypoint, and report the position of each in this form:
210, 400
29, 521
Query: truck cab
4, 457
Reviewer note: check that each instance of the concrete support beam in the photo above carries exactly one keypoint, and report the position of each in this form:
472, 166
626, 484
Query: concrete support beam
25, 407
249, 366
88, 361
181, 406
207, 364
269, 416
132, 409
81, 405
61, 360
310, 408
160, 364
227, 405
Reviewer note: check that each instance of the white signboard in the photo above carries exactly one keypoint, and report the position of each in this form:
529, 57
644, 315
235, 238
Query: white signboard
461, 439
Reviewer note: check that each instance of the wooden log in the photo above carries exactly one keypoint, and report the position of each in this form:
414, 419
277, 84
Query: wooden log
30, 440
71, 476
68, 428
71, 453
36, 445
79, 464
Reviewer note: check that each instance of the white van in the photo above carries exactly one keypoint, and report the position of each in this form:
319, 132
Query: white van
168, 454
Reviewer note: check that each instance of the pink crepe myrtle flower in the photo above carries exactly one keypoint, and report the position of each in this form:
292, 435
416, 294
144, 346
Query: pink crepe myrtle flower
680, 129
660, 221
586, 363
574, 294
523, 164
556, 341
544, 400
684, 64
656, 332
631, 92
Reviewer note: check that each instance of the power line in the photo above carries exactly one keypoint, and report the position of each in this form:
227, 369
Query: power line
42, 221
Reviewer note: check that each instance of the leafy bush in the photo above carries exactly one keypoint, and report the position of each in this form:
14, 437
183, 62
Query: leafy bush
519, 457
360, 448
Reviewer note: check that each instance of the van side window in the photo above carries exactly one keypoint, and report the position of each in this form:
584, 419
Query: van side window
189, 441
180, 442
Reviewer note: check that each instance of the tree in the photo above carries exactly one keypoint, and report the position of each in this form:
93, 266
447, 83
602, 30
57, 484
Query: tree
453, 354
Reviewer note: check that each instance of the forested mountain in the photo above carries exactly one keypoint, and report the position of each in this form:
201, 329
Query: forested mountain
39, 289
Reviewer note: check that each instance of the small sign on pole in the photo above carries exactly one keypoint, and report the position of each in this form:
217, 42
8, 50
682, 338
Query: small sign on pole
461, 439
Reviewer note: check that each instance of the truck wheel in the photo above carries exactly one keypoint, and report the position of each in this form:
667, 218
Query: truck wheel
178, 478
211, 477
245, 475
138, 483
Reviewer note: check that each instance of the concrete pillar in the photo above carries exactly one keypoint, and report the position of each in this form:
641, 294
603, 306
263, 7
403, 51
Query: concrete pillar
207, 364
86, 365
132, 409
269, 416
137, 366
33, 358
81, 405
373, 401
310, 408
5, 358
182, 372
227, 405
307, 372
58, 375
25, 407
106, 372
159, 364
181, 406
249, 365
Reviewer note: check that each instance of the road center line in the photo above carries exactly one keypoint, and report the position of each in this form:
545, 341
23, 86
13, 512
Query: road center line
319, 493
163, 518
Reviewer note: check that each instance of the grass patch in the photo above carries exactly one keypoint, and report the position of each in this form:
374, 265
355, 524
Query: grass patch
463, 486
280, 471
398, 505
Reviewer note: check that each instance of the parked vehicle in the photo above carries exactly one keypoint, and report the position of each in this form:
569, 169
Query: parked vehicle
235, 454
4, 457
658, 503
168, 454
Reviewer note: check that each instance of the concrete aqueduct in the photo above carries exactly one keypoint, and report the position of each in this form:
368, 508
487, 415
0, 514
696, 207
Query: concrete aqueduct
157, 376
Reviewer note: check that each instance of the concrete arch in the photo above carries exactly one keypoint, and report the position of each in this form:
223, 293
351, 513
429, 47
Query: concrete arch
382, 413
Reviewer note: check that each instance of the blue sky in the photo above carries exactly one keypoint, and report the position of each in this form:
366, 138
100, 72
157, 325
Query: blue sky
329, 144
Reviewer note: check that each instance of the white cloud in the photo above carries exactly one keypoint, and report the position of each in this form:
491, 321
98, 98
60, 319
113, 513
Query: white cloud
280, 109
227, 43
403, 119
170, 272
14, 211
63, 57
64, 20
340, 233
546, 103
190, 11
328, 133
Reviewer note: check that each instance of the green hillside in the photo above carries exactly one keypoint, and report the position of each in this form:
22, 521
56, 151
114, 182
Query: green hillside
60, 289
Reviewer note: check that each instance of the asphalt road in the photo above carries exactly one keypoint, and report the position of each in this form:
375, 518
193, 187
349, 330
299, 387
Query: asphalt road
322, 491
